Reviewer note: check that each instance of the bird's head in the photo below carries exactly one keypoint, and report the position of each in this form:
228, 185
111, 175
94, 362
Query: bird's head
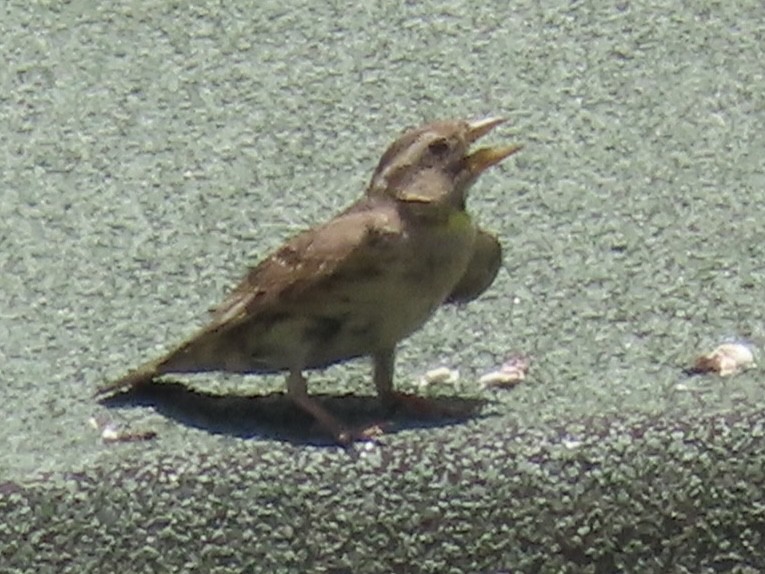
433, 166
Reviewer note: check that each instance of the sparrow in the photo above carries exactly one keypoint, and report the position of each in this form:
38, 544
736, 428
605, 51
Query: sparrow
362, 282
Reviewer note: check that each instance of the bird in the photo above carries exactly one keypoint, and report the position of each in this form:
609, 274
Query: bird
359, 284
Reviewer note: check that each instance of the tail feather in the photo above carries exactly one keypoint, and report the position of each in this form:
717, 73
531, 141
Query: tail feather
209, 350
197, 354
135, 378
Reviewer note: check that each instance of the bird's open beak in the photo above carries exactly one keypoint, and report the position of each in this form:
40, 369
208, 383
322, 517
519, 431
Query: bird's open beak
486, 157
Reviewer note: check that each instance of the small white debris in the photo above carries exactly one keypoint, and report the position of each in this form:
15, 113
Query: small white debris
497, 379
512, 372
111, 432
726, 360
441, 375
368, 446
571, 444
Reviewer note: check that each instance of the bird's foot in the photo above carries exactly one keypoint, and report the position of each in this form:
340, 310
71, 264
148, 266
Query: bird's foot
328, 423
370, 433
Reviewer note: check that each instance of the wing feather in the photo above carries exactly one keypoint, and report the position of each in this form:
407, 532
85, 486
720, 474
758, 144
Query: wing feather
347, 245
481, 270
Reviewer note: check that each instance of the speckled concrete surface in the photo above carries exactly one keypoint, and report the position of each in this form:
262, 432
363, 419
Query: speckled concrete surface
153, 150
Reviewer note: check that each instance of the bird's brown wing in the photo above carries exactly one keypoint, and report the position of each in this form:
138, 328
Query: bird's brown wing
481, 270
349, 244
352, 244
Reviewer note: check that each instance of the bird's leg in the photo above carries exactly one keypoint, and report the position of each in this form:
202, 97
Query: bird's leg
297, 391
383, 376
383, 362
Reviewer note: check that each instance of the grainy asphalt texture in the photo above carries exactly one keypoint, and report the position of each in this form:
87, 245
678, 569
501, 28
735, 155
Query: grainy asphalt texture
152, 150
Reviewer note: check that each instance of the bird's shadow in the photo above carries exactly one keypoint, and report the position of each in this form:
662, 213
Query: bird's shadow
275, 416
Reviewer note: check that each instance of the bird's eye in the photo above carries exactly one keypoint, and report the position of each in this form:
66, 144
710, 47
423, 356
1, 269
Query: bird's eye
438, 147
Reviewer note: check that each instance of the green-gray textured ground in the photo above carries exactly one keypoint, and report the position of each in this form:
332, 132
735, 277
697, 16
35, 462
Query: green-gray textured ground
151, 150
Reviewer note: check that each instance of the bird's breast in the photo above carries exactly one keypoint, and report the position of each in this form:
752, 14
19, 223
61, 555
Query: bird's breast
434, 258
373, 305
